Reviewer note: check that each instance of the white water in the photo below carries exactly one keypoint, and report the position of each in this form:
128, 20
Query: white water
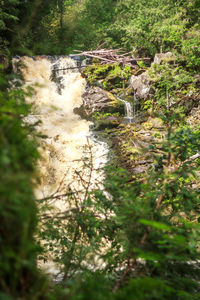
69, 141
128, 110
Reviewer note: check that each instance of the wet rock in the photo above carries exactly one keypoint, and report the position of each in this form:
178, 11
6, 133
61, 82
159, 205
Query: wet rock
137, 119
76, 58
95, 99
40, 57
106, 123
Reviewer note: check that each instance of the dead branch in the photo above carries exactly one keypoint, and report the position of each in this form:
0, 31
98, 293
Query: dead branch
53, 196
108, 56
111, 55
193, 157
70, 68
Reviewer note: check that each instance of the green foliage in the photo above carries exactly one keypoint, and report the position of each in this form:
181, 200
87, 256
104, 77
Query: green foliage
59, 26
19, 276
161, 247
170, 82
147, 104
145, 231
146, 27
191, 46
99, 116
20, 27
140, 240
186, 142
141, 64
108, 75
97, 72
8, 17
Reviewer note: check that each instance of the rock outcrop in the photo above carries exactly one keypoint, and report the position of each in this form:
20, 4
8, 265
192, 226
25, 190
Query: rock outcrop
138, 142
160, 57
141, 84
96, 99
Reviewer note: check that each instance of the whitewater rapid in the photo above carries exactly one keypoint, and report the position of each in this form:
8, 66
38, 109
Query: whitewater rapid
71, 158
68, 137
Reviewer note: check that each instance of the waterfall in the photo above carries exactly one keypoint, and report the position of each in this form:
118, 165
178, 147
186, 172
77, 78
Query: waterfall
129, 110
69, 142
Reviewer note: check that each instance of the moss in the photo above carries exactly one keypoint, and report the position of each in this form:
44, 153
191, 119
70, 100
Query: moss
100, 116
116, 104
131, 144
96, 72
106, 124
108, 75
153, 123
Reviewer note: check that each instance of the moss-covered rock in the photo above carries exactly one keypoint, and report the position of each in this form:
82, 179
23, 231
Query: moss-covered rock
108, 76
131, 143
137, 143
95, 99
106, 123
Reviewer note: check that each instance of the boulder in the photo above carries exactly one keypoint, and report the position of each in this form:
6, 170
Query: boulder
141, 85
96, 99
194, 117
159, 57
106, 123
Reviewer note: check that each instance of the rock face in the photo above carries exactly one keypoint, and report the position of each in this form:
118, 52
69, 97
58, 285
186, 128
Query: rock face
141, 85
96, 99
132, 142
159, 57
194, 117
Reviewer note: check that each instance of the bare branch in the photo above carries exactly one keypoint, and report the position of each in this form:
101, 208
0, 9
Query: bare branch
111, 55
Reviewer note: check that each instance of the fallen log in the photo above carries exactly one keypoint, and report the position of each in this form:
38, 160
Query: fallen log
111, 56
96, 56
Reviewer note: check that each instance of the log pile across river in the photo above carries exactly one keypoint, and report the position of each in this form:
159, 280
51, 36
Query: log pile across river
112, 56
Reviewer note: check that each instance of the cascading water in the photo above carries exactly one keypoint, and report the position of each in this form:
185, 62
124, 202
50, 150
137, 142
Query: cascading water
68, 139
129, 110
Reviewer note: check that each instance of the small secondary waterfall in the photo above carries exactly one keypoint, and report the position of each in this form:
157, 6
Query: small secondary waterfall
130, 110
69, 142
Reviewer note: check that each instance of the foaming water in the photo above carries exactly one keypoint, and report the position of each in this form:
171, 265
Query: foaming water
130, 113
69, 146
67, 134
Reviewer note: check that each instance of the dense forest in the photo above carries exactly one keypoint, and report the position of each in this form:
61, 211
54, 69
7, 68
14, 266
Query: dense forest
141, 238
